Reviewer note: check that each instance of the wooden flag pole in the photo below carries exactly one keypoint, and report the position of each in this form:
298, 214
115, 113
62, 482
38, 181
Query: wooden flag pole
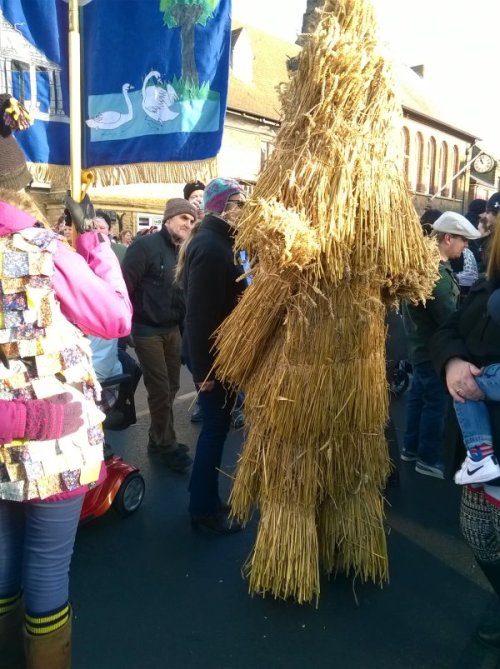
75, 109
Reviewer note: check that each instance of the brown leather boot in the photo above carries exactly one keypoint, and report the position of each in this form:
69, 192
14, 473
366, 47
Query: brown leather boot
11, 638
49, 650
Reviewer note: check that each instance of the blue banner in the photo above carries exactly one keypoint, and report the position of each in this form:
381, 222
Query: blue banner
155, 76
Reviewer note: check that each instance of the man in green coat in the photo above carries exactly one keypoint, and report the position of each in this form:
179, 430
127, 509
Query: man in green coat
427, 398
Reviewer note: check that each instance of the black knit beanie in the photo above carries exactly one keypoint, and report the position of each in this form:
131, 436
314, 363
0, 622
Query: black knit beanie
14, 174
493, 203
477, 207
191, 187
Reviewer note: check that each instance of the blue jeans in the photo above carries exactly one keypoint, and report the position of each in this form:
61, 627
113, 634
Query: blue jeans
473, 415
240, 401
216, 406
425, 416
36, 545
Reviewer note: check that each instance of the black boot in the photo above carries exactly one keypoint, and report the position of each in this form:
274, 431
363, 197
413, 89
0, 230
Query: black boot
489, 632
215, 523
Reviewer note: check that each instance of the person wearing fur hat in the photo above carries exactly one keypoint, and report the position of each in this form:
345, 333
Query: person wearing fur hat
211, 288
193, 193
148, 269
51, 441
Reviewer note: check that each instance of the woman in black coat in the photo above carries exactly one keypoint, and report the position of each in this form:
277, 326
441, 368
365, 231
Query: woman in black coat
469, 341
210, 278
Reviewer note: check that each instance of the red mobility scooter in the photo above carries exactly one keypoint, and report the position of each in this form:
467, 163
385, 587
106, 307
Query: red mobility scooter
124, 486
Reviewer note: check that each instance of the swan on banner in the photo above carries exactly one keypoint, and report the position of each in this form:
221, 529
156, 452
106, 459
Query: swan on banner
157, 100
108, 120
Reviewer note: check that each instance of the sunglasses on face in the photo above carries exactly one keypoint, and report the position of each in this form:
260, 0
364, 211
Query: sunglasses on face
239, 203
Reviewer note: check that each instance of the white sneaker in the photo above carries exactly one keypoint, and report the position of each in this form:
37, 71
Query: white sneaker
481, 471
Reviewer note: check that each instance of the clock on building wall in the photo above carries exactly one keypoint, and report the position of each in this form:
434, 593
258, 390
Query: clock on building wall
483, 163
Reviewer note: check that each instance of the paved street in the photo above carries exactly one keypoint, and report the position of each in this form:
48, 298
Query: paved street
149, 593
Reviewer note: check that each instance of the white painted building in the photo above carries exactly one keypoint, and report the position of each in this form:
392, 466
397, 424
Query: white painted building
23, 68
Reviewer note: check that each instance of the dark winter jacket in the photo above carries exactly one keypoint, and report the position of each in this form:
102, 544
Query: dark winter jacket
421, 322
494, 305
148, 269
211, 290
471, 333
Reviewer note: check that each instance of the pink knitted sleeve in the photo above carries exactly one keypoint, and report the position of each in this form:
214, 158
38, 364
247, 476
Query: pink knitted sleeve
39, 419
90, 287
44, 420
12, 420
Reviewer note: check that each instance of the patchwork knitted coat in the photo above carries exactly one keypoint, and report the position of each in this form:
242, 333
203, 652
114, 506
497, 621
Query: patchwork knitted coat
50, 296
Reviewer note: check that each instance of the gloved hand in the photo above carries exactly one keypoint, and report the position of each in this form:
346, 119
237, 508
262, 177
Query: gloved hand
52, 419
80, 214
73, 419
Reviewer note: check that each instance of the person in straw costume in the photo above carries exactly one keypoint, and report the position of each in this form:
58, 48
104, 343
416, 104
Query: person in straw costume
335, 239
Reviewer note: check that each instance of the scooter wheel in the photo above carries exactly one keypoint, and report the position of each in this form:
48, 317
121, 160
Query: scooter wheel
130, 495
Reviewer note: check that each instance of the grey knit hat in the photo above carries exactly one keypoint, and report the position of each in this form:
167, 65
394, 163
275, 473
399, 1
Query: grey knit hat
14, 174
176, 206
